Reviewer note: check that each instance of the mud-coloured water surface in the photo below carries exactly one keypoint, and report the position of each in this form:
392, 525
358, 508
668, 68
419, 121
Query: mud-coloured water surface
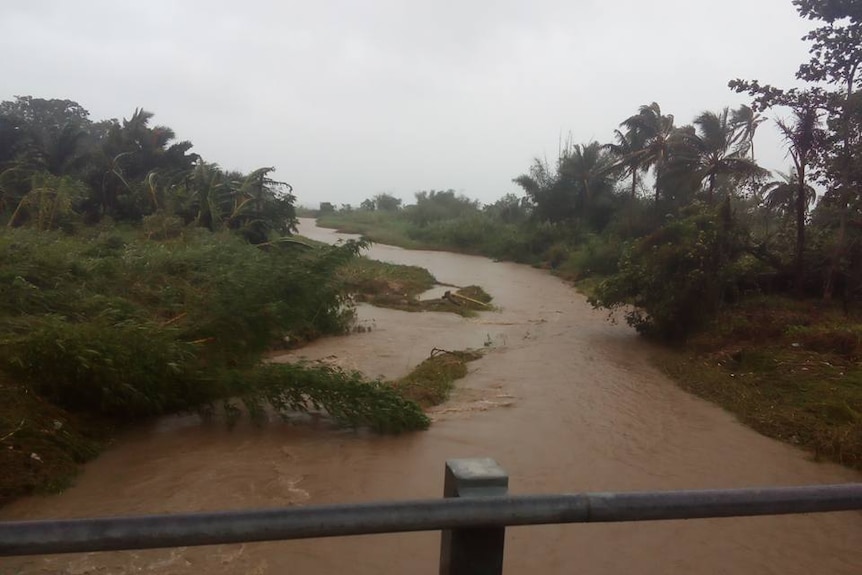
563, 400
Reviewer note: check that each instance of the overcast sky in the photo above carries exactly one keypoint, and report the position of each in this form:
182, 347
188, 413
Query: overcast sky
350, 99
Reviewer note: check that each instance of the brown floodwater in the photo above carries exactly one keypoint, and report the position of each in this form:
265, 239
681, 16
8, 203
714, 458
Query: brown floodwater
564, 400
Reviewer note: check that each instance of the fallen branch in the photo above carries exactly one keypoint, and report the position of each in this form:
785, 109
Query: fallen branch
449, 295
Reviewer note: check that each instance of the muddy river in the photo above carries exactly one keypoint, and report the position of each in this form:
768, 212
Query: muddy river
564, 400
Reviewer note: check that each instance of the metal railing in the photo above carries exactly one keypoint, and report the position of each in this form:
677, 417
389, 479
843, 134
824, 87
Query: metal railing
473, 516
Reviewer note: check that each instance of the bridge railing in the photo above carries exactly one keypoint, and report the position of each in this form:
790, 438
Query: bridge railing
473, 516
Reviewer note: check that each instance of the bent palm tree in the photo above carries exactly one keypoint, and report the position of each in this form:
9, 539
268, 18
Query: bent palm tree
716, 148
746, 120
658, 132
627, 149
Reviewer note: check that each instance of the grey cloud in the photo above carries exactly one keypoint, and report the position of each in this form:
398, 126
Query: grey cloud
348, 99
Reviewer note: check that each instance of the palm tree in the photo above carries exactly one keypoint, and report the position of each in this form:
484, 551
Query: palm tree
657, 132
715, 148
261, 205
746, 120
589, 167
586, 178
780, 195
539, 184
803, 136
209, 189
626, 149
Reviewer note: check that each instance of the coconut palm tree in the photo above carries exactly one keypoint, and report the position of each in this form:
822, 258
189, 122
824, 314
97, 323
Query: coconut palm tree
658, 133
261, 205
803, 135
746, 120
586, 175
715, 148
626, 150
780, 195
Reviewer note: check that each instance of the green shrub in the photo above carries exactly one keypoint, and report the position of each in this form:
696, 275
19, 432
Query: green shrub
597, 256
674, 280
105, 365
346, 397
121, 325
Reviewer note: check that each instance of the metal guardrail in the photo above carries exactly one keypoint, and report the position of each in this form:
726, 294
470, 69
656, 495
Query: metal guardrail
473, 516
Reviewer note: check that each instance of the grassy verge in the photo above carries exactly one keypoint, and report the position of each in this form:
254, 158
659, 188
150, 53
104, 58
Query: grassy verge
384, 284
788, 369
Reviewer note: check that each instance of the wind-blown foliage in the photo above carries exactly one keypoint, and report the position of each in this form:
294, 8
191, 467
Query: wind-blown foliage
716, 151
119, 324
655, 132
128, 170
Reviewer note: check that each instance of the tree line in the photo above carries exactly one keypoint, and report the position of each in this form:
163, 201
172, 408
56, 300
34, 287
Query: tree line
679, 218
59, 168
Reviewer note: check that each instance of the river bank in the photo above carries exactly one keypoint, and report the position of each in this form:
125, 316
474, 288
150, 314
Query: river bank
788, 368
562, 399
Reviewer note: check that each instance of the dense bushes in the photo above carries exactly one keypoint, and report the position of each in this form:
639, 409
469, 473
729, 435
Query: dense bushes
121, 325
674, 280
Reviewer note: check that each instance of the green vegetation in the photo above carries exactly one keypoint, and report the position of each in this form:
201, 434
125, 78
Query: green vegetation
347, 398
431, 382
42, 444
679, 227
383, 284
399, 287
106, 327
788, 368
139, 280
124, 326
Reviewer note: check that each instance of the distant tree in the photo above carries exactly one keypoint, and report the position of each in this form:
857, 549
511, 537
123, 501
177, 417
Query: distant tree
433, 205
745, 120
539, 185
587, 172
387, 203
326, 208
44, 135
510, 209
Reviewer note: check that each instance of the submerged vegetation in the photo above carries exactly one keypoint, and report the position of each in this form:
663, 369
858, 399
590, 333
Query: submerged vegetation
138, 280
431, 382
400, 287
677, 226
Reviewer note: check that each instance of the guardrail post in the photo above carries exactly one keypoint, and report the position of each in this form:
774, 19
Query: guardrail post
477, 550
